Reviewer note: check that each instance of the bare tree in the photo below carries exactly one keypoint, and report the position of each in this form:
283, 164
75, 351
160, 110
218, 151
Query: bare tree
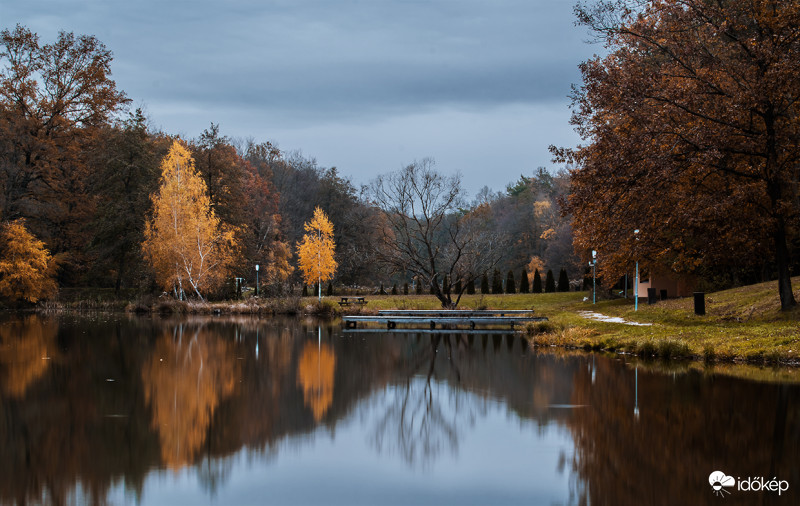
426, 233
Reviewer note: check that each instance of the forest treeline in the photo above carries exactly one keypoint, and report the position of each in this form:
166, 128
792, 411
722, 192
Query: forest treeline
80, 169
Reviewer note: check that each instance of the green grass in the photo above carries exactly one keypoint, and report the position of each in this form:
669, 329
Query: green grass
741, 325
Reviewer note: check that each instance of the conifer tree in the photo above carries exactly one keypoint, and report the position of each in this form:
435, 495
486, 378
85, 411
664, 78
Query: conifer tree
485, 283
471, 287
537, 282
524, 286
563, 281
550, 282
497, 282
511, 287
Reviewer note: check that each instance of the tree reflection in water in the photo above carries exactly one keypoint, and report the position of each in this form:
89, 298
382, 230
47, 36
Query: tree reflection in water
27, 348
413, 422
122, 398
190, 371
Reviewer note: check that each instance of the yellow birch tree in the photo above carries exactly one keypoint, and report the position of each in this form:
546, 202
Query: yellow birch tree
185, 242
316, 250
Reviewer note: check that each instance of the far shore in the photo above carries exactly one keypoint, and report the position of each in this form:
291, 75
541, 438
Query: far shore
742, 325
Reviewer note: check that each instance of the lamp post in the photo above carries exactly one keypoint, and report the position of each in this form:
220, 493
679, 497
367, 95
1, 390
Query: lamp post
636, 287
256, 280
594, 276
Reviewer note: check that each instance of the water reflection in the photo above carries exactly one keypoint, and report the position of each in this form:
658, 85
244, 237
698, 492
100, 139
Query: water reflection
188, 374
128, 410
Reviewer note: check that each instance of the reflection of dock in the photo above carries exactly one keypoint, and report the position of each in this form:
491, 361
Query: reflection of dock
500, 332
449, 318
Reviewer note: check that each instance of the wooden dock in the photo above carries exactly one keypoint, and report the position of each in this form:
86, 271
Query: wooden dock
432, 318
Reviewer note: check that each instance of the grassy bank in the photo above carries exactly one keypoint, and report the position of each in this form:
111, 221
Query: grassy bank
741, 325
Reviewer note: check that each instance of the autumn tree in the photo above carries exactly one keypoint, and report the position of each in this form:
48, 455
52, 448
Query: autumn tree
53, 98
265, 242
26, 267
127, 172
316, 251
692, 126
185, 241
425, 230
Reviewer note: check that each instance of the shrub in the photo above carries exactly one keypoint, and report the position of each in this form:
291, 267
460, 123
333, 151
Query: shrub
563, 281
511, 287
497, 282
537, 282
550, 282
524, 287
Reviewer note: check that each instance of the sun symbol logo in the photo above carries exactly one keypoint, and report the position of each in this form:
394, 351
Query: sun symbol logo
718, 480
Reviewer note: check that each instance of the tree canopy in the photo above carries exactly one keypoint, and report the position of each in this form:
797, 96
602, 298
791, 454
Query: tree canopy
692, 123
317, 249
185, 241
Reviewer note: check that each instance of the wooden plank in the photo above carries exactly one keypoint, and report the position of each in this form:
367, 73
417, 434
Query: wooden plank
458, 319
456, 312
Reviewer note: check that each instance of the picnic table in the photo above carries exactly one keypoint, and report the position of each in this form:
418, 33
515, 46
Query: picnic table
352, 301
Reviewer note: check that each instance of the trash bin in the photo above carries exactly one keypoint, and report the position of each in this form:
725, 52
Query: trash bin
652, 295
700, 303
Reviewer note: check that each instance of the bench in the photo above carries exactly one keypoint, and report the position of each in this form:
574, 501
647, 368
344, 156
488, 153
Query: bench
352, 301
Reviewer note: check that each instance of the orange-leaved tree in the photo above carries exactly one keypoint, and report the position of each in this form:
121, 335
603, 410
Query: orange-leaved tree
26, 267
316, 250
185, 240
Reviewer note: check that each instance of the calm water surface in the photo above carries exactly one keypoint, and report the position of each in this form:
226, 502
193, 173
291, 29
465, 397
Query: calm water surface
131, 410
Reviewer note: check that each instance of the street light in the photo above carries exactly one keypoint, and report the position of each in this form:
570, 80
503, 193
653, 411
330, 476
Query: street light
636, 287
256, 280
594, 276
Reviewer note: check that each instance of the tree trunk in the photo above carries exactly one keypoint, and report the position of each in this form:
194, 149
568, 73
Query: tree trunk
782, 261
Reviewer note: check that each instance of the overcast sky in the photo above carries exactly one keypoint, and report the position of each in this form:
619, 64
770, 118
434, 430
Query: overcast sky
367, 86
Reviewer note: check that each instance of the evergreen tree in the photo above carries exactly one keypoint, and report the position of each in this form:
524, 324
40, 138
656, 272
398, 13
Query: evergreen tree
537, 282
419, 288
405, 288
458, 286
485, 283
524, 287
563, 281
550, 282
511, 287
497, 282
445, 284
329, 292
382, 291
471, 287
394, 289
305, 291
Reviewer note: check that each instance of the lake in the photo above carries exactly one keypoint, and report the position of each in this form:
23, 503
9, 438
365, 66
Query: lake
121, 409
